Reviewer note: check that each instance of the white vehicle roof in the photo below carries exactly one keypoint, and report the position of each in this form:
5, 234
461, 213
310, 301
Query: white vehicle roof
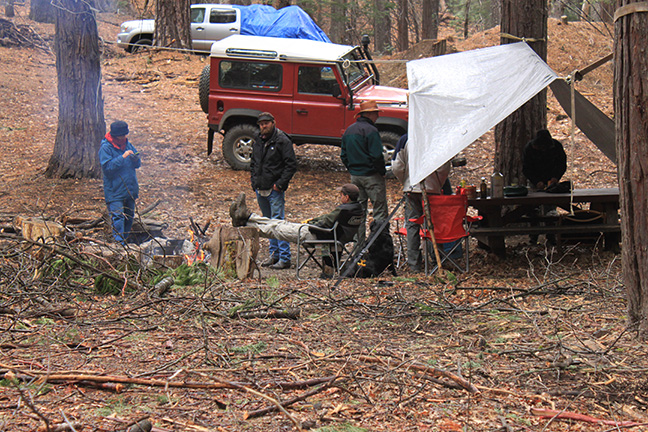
271, 48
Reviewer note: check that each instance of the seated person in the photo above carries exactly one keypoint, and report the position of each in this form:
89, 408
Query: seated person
544, 160
544, 163
348, 214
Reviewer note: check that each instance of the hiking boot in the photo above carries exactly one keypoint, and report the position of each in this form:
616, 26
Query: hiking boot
280, 265
239, 212
269, 261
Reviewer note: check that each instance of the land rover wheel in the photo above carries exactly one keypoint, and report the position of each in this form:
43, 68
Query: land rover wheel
389, 140
237, 146
203, 89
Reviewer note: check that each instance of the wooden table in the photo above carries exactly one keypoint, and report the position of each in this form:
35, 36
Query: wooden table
496, 224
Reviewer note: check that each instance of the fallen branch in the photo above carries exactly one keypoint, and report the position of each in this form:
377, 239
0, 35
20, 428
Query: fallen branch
548, 413
286, 313
279, 405
435, 372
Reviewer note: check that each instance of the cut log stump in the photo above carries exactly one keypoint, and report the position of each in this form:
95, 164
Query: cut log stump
234, 250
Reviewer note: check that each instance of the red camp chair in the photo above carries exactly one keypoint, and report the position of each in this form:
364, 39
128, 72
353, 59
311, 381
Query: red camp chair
451, 230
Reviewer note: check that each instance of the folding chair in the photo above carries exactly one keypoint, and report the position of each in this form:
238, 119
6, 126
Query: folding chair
337, 245
451, 226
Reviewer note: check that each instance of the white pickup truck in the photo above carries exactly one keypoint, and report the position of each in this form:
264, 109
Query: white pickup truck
209, 23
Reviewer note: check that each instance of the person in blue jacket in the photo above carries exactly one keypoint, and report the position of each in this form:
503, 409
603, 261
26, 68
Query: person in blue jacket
119, 160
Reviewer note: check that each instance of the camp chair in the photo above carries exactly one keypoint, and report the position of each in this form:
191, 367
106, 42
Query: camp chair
337, 245
451, 231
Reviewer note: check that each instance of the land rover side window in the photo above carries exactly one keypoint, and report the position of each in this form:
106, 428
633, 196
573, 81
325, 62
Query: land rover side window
222, 16
316, 80
197, 15
250, 75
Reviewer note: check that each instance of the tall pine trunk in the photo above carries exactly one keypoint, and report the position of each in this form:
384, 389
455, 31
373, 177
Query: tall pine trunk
430, 19
337, 30
403, 27
172, 28
42, 11
81, 124
523, 19
382, 26
631, 120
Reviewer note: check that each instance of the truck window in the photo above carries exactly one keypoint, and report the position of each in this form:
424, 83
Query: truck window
316, 80
197, 15
222, 16
353, 69
250, 75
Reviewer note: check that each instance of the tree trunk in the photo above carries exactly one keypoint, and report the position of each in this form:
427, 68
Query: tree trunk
172, 28
556, 9
403, 28
631, 121
467, 20
42, 11
9, 9
338, 21
522, 19
81, 124
382, 27
430, 19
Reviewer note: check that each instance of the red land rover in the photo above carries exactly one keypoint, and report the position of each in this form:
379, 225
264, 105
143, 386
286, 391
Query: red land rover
313, 89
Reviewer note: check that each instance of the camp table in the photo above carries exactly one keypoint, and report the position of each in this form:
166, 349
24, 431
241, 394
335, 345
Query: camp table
509, 216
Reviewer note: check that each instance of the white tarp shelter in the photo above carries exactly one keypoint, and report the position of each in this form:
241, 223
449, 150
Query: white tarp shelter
456, 98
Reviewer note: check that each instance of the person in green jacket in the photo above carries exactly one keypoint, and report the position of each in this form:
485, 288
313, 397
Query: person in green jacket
362, 155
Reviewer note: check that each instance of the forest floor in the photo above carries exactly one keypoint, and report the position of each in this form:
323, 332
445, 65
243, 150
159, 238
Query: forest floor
537, 341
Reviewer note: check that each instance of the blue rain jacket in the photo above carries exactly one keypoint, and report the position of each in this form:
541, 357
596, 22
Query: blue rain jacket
119, 176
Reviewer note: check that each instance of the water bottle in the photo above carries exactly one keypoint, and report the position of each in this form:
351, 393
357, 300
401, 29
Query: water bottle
483, 189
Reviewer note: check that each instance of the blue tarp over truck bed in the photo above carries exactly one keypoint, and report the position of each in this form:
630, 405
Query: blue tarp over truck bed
287, 22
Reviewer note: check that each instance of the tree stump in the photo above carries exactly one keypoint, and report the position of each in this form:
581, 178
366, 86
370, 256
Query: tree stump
234, 250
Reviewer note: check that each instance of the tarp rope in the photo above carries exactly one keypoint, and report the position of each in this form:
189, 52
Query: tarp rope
571, 79
520, 39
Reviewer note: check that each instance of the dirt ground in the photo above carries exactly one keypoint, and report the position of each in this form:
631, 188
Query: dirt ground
484, 351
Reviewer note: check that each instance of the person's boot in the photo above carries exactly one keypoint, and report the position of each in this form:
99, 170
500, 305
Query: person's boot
239, 212
269, 261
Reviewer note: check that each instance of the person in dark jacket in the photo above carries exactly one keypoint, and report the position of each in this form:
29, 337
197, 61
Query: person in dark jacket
348, 215
119, 160
362, 154
544, 160
544, 163
273, 165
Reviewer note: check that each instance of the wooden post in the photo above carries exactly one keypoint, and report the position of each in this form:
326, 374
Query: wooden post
234, 249
430, 226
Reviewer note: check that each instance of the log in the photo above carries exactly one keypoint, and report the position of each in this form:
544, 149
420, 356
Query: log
235, 250
38, 229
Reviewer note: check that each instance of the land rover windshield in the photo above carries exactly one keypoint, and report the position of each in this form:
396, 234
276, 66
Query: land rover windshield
355, 69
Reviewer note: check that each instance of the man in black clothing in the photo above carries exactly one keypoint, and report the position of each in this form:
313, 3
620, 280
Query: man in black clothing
544, 160
273, 165
544, 163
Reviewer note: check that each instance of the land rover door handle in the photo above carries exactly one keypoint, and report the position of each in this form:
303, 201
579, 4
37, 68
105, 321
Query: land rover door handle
302, 111
233, 29
200, 28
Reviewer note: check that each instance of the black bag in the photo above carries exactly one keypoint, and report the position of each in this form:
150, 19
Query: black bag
562, 187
